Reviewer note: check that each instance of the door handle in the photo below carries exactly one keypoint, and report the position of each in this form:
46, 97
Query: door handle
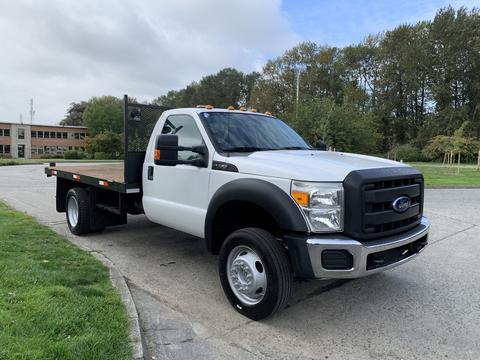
150, 173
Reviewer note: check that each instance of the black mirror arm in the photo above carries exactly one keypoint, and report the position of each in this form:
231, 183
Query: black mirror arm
200, 149
196, 162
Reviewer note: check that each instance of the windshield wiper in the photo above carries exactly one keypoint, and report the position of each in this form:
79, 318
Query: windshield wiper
245, 149
292, 148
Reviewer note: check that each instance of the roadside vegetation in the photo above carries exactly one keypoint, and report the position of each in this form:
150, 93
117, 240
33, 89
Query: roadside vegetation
56, 301
438, 175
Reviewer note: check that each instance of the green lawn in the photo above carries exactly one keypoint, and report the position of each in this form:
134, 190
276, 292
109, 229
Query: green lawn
437, 175
6, 162
56, 301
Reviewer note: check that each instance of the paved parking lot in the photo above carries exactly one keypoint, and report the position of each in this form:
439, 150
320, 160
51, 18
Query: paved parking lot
426, 309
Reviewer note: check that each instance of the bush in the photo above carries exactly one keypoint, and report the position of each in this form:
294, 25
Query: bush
99, 155
51, 156
408, 152
74, 155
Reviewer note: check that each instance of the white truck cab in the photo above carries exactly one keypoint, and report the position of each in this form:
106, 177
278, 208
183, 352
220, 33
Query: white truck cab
273, 207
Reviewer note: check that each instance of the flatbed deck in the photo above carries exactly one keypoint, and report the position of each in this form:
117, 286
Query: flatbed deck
107, 176
108, 172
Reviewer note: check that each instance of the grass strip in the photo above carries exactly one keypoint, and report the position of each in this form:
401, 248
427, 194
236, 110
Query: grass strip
56, 301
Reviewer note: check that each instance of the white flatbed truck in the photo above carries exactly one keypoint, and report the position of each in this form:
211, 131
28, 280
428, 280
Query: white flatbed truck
270, 205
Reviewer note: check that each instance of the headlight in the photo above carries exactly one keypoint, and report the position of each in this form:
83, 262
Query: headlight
322, 204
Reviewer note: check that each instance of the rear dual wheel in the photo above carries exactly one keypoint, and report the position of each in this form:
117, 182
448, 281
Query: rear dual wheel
77, 211
255, 273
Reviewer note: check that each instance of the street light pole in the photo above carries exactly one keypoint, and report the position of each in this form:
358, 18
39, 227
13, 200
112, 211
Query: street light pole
298, 93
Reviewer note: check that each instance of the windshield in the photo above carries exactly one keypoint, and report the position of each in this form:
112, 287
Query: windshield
236, 132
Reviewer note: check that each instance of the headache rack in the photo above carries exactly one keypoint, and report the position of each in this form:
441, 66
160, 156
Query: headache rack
126, 177
139, 121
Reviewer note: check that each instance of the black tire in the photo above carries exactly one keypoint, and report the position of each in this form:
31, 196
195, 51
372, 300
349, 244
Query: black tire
277, 269
82, 198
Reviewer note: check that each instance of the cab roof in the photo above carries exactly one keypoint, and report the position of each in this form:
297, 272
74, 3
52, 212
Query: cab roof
202, 110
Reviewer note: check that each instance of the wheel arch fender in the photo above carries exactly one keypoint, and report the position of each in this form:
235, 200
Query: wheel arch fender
265, 195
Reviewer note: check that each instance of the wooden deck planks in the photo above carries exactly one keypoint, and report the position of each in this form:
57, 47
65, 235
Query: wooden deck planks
109, 172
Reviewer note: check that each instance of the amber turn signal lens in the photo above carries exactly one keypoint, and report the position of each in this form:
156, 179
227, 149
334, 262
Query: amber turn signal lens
156, 155
300, 197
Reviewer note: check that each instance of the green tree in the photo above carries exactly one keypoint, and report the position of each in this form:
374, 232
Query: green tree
228, 87
102, 114
341, 126
74, 115
107, 142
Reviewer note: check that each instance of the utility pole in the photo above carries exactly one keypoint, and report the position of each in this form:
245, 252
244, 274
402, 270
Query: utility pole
21, 118
32, 112
298, 94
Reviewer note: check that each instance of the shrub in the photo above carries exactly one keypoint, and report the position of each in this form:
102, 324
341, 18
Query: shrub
408, 152
74, 155
99, 155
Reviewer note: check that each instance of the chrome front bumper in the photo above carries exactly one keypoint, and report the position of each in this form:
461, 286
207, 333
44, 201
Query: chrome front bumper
360, 252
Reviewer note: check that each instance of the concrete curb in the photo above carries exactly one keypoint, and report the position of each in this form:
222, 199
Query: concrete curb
118, 280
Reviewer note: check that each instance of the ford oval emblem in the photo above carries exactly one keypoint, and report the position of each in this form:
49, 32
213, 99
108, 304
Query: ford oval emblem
401, 204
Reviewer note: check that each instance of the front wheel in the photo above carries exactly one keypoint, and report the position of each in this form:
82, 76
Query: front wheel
255, 273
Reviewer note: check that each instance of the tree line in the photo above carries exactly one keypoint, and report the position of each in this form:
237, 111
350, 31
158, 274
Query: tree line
413, 90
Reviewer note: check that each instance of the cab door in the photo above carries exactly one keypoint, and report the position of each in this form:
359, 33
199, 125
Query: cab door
177, 196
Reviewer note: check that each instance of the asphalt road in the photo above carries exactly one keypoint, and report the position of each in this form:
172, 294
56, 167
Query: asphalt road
426, 309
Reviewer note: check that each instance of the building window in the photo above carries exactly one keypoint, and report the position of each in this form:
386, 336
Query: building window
59, 135
4, 149
46, 134
64, 135
52, 134
82, 136
21, 134
40, 134
77, 136
34, 134
6, 132
1, 132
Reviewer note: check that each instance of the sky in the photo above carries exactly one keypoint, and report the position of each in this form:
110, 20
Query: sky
63, 51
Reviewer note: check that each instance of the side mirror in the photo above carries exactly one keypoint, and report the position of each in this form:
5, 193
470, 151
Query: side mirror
320, 145
166, 152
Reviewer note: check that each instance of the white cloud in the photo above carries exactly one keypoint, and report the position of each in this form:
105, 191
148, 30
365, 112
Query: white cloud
63, 51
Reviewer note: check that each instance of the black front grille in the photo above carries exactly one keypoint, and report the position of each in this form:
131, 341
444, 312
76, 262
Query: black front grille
379, 216
369, 196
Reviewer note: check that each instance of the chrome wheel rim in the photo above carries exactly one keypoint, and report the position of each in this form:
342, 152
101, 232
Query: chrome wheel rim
72, 211
246, 275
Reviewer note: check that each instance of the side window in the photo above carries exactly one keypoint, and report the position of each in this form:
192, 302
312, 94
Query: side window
188, 134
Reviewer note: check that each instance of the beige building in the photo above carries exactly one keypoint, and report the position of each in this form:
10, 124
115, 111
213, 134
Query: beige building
37, 141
